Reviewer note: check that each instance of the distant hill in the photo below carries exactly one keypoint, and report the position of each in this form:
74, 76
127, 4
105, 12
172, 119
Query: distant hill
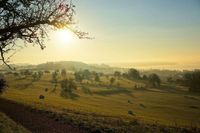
76, 66
68, 65
73, 65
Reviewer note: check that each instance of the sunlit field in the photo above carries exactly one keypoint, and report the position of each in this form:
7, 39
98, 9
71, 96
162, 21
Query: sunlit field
99, 66
169, 105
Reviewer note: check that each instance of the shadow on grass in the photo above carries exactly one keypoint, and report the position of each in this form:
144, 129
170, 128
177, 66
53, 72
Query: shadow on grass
23, 85
191, 98
86, 90
113, 91
70, 95
164, 88
170, 88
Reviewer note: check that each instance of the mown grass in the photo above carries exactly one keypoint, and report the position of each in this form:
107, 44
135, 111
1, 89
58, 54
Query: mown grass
148, 105
9, 126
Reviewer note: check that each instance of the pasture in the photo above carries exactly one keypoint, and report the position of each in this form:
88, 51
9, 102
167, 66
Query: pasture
169, 105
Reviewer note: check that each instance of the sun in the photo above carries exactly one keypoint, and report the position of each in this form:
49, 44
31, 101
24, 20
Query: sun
64, 36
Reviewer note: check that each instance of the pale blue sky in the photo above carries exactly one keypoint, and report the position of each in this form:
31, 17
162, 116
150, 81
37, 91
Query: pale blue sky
132, 31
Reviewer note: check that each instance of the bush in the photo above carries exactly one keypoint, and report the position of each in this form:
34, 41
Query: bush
129, 101
142, 105
46, 89
41, 97
130, 112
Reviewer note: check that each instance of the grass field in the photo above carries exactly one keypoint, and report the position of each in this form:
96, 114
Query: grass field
9, 126
169, 105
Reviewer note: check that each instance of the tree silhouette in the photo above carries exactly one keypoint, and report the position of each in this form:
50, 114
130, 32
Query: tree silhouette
192, 80
78, 76
112, 80
133, 74
67, 87
31, 21
55, 79
97, 78
63, 73
154, 80
117, 74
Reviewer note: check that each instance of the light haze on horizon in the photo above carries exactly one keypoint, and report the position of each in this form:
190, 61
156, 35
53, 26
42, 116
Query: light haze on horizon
127, 31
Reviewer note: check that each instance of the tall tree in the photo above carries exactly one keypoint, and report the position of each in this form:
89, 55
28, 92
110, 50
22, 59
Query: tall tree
31, 21
133, 74
55, 79
67, 87
112, 80
97, 78
63, 73
192, 80
78, 76
154, 80
117, 74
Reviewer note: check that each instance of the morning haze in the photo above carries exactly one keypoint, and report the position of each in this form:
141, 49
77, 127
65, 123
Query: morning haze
99, 66
128, 32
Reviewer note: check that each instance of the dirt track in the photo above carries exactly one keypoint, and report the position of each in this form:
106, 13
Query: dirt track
34, 121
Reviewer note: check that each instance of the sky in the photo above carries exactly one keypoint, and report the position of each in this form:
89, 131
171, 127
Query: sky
126, 31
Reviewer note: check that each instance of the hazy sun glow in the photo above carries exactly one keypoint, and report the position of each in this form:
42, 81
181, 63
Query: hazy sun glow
142, 31
64, 36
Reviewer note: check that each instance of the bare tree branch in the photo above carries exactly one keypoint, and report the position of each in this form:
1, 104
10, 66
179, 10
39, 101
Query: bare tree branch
29, 20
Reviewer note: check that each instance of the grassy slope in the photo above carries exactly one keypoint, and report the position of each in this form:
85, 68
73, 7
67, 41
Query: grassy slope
9, 126
163, 106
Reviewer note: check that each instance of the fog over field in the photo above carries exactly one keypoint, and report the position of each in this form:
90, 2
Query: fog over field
159, 65
99, 66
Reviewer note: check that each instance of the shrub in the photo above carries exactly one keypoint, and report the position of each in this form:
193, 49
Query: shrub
46, 89
129, 101
41, 97
130, 112
46, 71
141, 105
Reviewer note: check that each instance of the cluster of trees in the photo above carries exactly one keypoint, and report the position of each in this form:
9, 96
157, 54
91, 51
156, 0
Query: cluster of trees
133, 74
37, 75
56, 73
154, 80
192, 80
55, 79
26, 72
87, 75
67, 87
